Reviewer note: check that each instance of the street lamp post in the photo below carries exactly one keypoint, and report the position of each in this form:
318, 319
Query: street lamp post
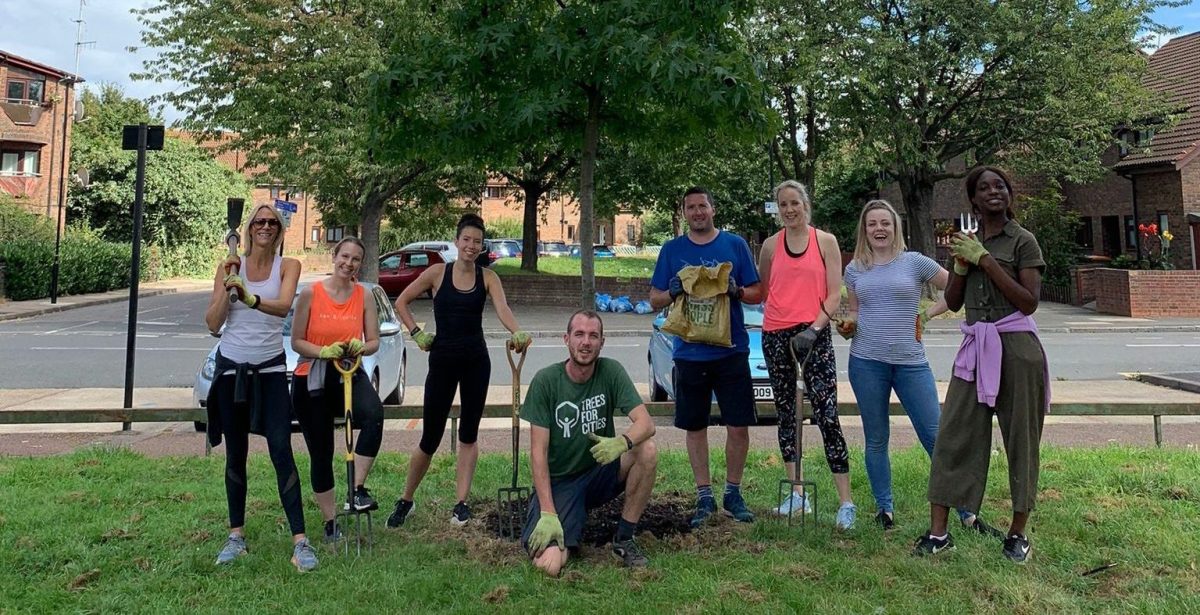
62, 192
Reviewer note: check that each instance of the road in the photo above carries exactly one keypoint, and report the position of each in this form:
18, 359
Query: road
86, 348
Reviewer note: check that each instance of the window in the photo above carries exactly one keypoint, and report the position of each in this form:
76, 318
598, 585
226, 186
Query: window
276, 192
336, 233
1164, 222
389, 263
600, 234
493, 192
570, 232
630, 233
21, 163
1083, 234
24, 90
316, 234
418, 260
1130, 234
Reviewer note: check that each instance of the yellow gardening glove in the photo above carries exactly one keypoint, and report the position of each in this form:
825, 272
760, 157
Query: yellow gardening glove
354, 347
332, 351
548, 529
235, 281
968, 248
230, 262
607, 450
847, 327
424, 340
520, 341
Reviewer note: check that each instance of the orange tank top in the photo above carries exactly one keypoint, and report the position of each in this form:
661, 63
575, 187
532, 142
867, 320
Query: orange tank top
797, 285
329, 321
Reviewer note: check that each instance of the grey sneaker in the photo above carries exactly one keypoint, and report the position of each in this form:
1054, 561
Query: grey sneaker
235, 546
846, 516
630, 553
304, 558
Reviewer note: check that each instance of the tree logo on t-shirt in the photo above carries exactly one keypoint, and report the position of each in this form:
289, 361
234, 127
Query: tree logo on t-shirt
566, 415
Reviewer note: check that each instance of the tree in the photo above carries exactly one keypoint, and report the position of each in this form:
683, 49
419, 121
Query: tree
508, 74
1035, 84
537, 173
291, 79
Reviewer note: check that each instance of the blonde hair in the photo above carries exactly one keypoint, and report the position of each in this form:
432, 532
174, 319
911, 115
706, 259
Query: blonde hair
862, 247
799, 188
247, 237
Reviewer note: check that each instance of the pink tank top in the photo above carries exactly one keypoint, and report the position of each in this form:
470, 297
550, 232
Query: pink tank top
797, 286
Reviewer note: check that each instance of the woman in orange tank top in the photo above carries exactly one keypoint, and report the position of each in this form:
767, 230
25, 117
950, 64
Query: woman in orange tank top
334, 319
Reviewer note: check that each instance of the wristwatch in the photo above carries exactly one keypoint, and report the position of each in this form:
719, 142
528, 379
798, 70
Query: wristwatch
628, 442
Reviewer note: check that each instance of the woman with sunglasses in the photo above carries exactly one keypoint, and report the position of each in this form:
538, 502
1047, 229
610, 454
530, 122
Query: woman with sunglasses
250, 392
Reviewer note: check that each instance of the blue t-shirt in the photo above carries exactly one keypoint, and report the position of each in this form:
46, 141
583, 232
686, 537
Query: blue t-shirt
889, 296
725, 248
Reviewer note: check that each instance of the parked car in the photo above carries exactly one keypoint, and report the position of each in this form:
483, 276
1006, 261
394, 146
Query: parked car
387, 367
598, 251
447, 249
662, 345
553, 248
400, 268
503, 248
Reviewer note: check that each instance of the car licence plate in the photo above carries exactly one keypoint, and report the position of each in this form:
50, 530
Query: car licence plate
763, 392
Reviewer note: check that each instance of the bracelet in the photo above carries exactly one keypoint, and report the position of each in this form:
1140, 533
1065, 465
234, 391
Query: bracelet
413, 331
257, 302
628, 442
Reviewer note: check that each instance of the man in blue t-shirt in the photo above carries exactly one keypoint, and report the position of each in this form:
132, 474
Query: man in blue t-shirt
704, 369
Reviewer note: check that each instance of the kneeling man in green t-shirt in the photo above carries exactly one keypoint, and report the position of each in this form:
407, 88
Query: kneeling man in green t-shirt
579, 462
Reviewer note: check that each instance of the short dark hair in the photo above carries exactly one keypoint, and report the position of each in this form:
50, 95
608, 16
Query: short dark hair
470, 220
973, 184
699, 190
588, 314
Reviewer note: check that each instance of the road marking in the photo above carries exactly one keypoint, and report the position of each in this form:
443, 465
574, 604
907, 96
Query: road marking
153, 309
1162, 345
53, 331
159, 324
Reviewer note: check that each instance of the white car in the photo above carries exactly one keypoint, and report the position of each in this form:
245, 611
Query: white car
447, 249
387, 366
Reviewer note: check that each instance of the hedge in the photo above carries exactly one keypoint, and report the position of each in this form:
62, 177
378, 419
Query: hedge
88, 265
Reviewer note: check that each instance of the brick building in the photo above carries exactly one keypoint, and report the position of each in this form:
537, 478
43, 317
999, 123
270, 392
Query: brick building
36, 118
558, 216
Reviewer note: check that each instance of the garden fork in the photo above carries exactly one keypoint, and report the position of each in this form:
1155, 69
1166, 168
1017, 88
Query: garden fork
808, 488
512, 502
968, 223
346, 367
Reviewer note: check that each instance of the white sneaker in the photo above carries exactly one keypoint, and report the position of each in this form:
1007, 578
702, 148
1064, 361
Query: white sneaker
794, 502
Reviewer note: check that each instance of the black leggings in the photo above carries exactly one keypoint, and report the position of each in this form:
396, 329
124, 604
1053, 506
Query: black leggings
467, 370
316, 415
276, 413
820, 381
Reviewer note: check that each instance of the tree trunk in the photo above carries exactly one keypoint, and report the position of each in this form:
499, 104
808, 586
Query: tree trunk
529, 227
372, 215
812, 134
916, 186
587, 190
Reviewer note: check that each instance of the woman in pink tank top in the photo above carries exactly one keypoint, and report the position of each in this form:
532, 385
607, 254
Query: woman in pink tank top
800, 268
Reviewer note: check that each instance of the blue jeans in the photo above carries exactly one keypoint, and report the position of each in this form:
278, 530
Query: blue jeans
873, 383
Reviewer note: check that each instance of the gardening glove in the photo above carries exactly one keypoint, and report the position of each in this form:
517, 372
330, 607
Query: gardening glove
968, 248
961, 267
424, 340
922, 320
230, 262
607, 450
234, 280
734, 291
332, 351
520, 341
676, 287
803, 342
548, 529
847, 327
355, 347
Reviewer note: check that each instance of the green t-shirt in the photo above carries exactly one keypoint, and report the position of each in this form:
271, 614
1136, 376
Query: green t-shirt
572, 410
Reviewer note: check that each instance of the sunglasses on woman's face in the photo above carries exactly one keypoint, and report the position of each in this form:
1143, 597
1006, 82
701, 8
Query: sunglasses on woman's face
261, 222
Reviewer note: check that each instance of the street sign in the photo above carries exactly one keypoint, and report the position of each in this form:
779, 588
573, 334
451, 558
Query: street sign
287, 217
287, 206
771, 207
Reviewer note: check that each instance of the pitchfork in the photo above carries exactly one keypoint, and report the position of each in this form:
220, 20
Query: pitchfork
968, 223
512, 502
808, 488
346, 367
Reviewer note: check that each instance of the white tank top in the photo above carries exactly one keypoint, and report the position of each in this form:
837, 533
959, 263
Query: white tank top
252, 336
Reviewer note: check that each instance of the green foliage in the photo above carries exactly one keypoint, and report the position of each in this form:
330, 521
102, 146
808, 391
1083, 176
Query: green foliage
1054, 226
657, 228
844, 184
16, 223
88, 264
509, 228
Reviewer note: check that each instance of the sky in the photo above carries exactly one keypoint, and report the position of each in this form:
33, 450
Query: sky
45, 32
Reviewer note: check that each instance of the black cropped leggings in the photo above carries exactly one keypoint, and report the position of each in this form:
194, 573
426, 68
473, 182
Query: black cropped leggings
467, 370
276, 413
316, 415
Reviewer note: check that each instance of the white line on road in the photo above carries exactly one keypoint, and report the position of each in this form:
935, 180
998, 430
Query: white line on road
153, 309
1162, 345
111, 348
53, 331
159, 324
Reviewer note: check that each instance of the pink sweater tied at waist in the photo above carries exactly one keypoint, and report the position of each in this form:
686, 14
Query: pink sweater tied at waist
979, 357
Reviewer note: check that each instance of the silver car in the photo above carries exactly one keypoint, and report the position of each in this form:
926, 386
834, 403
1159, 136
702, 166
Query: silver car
447, 249
387, 366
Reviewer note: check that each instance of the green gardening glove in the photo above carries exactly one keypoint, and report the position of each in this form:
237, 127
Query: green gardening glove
520, 341
607, 450
961, 267
424, 340
354, 347
234, 280
332, 351
968, 248
548, 529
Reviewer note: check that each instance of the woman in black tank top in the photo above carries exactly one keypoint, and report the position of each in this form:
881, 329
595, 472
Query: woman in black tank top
458, 359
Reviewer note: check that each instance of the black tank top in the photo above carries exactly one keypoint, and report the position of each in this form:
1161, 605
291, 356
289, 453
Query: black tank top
458, 314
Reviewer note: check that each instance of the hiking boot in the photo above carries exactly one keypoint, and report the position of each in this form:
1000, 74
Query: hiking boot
979, 526
333, 532
1016, 548
461, 514
403, 507
885, 520
630, 553
363, 500
928, 545
736, 507
792, 504
705, 507
234, 547
304, 558
846, 515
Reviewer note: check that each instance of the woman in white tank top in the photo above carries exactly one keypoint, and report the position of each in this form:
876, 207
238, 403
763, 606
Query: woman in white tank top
250, 392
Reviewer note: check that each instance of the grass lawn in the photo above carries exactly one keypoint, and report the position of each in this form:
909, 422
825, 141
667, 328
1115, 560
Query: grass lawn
111, 531
619, 267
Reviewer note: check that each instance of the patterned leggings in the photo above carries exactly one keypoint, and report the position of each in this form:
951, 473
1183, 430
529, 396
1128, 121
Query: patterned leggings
820, 380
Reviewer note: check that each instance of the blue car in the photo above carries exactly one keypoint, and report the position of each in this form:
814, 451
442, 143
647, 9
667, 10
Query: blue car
598, 251
662, 344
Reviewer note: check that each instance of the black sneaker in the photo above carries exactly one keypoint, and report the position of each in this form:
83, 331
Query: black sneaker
630, 553
461, 514
885, 520
403, 507
928, 545
333, 532
1016, 548
363, 500
979, 526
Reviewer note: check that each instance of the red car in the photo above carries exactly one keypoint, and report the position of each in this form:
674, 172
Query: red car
400, 268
